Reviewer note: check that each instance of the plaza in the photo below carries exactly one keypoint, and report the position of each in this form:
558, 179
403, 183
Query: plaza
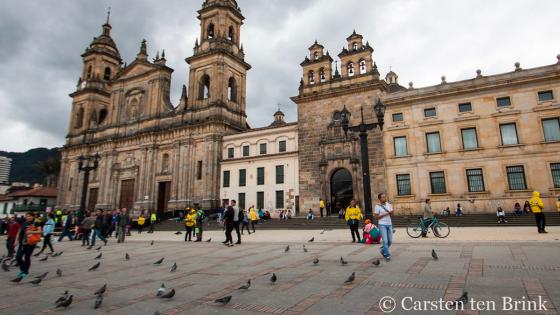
490, 264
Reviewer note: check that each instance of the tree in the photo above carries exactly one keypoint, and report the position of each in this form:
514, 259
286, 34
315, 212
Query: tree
50, 168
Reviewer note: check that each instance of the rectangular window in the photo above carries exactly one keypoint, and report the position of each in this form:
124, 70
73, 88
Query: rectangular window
437, 181
279, 174
551, 129
245, 150
503, 101
509, 134
398, 117
262, 148
226, 179
430, 112
555, 169
199, 170
279, 199
260, 175
242, 177
282, 146
260, 199
230, 153
545, 96
469, 138
241, 200
465, 107
433, 141
516, 177
475, 180
400, 146
403, 184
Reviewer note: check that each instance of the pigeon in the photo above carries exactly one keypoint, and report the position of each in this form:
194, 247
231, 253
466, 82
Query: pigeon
351, 278
152, 243
98, 248
59, 272
434, 254
209, 240
99, 256
342, 261
101, 290
36, 281
312, 239
376, 262
315, 260
127, 256
273, 278
168, 295
245, 286
62, 298
174, 267
178, 233
159, 261
5, 266
225, 300
94, 267
44, 258
42, 276
16, 280
304, 249
287, 248
157, 313
98, 301
65, 303
463, 299
322, 232
161, 290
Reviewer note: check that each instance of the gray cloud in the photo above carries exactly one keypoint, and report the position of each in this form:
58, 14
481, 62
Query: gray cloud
41, 43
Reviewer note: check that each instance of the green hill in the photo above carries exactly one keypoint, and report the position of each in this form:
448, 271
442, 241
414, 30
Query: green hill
23, 164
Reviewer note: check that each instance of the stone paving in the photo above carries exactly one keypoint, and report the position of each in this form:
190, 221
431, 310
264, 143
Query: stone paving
489, 271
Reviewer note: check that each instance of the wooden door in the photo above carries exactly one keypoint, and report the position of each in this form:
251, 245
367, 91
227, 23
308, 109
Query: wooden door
127, 194
164, 193
92, 199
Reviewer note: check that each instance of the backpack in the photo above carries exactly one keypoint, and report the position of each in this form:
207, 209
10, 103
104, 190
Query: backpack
33, 239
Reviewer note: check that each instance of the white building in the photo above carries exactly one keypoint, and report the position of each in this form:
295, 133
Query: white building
5, 166
260, 167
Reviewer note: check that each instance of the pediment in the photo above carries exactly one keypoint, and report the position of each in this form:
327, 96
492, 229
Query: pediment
135, 69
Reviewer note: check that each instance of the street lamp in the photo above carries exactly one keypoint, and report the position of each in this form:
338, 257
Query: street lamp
84, 166
362, 128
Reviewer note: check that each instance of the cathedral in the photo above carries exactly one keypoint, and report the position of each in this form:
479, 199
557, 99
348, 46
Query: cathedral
153, 154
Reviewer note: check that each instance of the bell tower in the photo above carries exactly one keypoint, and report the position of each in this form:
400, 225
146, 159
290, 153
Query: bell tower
218, 71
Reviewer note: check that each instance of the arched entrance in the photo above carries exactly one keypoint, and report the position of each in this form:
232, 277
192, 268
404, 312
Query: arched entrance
341, 189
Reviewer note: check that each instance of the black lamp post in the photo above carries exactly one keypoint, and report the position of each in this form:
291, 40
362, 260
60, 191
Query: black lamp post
84, 166
362, 128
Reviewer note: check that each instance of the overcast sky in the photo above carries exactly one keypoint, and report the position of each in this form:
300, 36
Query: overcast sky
41, 42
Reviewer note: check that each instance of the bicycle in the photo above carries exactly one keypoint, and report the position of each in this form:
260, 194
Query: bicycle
440, 229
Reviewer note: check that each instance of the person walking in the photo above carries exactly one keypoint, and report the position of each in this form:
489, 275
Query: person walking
190, 222
229, 215
66, 226
245, 221
48, 230
261, 215
353, 217
153, 221
537, 207
121, 225
13, 228
141, 221
427, 217
27, 238
383, 212
200, 216
237, 217
87, 226
253, 216
321, 206
98, 228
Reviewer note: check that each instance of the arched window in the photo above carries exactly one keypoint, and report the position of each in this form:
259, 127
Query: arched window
204, 87
79, 118
350, 68
316, 55
337, 116
355, 46
89, 72
230, 33
322, 75
107, 74
165, 163
102, 116
232, 90
310, 77
210, 31
362, 66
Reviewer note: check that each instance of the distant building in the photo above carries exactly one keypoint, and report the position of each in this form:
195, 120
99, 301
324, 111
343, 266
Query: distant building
38, 198
5, 166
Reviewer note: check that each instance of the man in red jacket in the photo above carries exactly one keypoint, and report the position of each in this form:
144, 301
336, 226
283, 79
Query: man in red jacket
13, 228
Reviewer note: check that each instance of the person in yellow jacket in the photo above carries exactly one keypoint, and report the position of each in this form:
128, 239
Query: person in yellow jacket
253, 217
537, 207
141, 222
353, 217
190, 222
321, 206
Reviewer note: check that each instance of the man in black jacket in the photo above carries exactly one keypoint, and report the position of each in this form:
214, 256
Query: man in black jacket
229, 215
98, 228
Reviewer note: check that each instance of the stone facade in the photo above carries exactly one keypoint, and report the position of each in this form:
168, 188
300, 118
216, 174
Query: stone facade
155, 155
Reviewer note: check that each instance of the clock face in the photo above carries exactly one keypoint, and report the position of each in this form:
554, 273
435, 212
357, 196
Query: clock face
83, 85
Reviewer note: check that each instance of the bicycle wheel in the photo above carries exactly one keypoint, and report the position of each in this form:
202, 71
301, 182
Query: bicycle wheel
414, 230
441, 230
